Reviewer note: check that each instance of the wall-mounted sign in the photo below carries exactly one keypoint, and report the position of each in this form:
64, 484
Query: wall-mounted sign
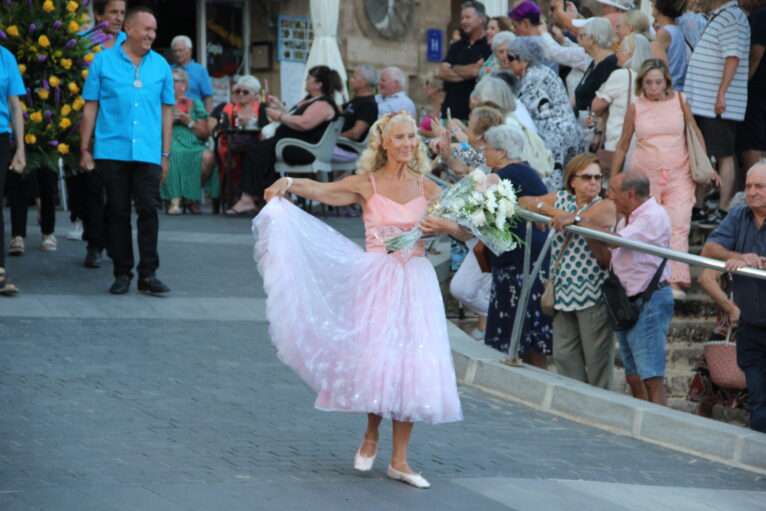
434, 44
294, 38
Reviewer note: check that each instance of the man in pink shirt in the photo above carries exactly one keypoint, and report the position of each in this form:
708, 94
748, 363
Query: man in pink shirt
642, 347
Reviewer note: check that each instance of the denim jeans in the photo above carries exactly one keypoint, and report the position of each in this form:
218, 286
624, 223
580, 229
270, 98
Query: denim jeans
642, 348
751, 358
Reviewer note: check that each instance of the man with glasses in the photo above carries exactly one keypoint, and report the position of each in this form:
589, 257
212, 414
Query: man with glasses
129, 96
200, 86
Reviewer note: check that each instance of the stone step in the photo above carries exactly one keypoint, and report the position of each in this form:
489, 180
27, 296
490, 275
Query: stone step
690, 329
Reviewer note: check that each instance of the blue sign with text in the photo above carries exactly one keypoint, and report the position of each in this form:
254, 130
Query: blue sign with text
434, 45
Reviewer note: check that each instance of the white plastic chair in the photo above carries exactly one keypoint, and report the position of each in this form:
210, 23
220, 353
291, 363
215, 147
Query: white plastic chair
322, 152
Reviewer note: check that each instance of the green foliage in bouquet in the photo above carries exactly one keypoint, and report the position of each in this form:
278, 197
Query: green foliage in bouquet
54, 54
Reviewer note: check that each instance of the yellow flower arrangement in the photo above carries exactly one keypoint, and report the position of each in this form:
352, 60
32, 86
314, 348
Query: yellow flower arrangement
96, 48
12, 31
36, 116
54, 81
73, 27
65, 63
22, 68
48, 6
43, 94
63, 148
30, 139
84, 74
64, 123
89, 57
44, 41
72, 6
66, 110
77, 104
73, 88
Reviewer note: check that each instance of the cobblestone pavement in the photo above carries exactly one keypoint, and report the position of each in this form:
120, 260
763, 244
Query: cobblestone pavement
141, 403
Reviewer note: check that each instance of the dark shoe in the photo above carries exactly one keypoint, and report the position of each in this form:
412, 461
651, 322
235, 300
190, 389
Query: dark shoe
93, 258
121, 285
152, 286
698, 216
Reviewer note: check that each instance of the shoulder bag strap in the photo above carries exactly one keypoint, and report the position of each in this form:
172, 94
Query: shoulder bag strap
654, 283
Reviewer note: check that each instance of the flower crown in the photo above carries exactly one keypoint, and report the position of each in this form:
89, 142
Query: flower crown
387, 118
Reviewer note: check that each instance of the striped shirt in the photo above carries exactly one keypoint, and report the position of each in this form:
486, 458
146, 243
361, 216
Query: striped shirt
727, 35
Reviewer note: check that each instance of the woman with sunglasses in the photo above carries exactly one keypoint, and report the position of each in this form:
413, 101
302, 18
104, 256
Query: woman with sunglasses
543, 93
307, 121
583, 348
245, 110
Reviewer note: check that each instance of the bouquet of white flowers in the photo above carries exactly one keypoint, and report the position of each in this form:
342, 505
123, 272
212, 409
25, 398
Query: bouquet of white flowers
482, 204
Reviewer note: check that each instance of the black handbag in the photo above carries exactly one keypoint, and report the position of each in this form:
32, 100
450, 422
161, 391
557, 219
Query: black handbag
623, 312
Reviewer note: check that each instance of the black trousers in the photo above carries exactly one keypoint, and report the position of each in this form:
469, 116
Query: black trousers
139, 181
258, 172
22, 189
86, 203
5, 160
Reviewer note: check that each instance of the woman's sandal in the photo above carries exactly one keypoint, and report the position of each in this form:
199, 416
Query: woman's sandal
233, 213
6, 288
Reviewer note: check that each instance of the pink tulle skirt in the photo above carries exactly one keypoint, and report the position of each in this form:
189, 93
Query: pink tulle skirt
366, 331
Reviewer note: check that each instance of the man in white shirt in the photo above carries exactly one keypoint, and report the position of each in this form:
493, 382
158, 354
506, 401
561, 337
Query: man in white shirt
391, 97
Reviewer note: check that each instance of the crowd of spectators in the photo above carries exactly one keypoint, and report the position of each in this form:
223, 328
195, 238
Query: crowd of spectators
587, 114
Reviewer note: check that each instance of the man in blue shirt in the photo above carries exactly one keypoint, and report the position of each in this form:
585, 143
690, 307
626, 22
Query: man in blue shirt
11, 87
740, 240
199, 81
129, 97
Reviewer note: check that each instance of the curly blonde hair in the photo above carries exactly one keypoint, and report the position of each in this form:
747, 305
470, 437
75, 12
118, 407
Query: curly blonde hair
375, 157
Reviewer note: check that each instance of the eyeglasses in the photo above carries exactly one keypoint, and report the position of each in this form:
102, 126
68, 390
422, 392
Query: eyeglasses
244, 92
510, 57
590, 177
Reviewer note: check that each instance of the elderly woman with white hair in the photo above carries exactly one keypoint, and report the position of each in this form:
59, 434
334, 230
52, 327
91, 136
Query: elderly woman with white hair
618, 92
596, 39
191, 159
504, 153
543, 93
499, 44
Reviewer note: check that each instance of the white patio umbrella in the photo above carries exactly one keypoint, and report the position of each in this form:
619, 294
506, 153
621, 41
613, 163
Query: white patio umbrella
496, 7
324, 50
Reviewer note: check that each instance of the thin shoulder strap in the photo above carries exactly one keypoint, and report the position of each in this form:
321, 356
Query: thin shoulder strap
372, 182
420, 185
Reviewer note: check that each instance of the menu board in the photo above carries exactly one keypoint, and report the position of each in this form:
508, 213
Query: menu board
294, 38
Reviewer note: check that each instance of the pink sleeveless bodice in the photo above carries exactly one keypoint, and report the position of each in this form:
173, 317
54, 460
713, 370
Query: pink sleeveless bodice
660, 136
385, 218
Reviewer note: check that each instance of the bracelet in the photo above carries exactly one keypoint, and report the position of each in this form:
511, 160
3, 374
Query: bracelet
190, 125
166, 155
289, 182
540, 206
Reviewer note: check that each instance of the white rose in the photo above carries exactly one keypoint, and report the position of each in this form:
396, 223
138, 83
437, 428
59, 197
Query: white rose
477, 176
478, 219
458, 204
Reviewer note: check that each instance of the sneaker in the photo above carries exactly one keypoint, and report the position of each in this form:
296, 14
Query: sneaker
152, 286
714, 220
49, 243
16, 247
76, 233
698, 216
477, 334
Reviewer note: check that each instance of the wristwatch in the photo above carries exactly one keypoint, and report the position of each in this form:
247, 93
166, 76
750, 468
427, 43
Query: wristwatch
577, 220
166, 155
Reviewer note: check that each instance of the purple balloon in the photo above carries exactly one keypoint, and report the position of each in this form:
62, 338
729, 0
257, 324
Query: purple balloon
54, 143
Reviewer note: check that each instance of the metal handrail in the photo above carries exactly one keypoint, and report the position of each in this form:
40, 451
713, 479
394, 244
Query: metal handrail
529, 276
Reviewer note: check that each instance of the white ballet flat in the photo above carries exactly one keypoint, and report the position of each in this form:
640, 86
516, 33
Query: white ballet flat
416, 480
364, 463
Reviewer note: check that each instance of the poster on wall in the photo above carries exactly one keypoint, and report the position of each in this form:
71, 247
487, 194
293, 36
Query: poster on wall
294, 38
293, 84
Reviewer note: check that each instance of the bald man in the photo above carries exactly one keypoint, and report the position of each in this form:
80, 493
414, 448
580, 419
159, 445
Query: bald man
740, 240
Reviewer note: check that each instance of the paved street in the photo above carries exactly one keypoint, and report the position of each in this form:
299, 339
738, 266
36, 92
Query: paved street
179, 403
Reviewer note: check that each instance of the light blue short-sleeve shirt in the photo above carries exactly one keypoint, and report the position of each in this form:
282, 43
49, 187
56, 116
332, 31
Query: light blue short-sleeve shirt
129, 122
199, 81
11, 84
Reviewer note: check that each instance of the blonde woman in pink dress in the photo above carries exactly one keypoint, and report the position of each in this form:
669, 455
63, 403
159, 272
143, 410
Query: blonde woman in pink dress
364, 328
658, 118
